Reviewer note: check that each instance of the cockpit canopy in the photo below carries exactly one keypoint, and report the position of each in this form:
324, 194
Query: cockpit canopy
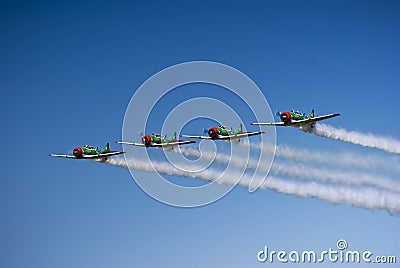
223, 127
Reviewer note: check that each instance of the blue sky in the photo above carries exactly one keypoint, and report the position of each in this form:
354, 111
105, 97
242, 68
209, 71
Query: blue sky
68, 71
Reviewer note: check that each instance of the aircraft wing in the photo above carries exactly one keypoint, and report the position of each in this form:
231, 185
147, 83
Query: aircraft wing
62, 155
239, 136
170, 144
299, 122
157, 145
196, 137
228, 137
93, 156
314, 119
130, 143
269, 124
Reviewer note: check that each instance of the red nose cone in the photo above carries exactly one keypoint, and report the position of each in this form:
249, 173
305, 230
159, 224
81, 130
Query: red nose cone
146, 140
213, 133
77, 152
285, 117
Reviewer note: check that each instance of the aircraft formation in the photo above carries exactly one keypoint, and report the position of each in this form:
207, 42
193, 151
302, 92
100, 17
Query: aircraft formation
293, 118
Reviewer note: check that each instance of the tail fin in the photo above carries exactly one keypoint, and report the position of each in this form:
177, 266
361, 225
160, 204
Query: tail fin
205, 130
312, 113
174, 137
278, 113
240, 129
107, 147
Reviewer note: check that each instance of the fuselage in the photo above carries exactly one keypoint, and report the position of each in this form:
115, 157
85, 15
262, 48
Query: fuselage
289, 118
221, 130
147, 140
87, 150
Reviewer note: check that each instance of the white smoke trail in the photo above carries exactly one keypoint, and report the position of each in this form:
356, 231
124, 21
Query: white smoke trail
346, 159
350, 178
370, 140
363, 197
301, 171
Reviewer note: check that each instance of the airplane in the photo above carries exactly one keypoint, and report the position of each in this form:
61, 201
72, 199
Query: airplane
90, 152
158, 141
224, 133
298, 120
